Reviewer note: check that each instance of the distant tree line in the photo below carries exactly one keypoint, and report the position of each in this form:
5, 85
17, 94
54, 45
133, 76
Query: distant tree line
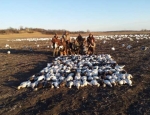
32, 30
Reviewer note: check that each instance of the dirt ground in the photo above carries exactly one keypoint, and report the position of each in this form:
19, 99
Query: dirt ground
23, 62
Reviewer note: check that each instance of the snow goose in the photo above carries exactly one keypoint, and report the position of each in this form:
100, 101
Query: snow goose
40, 78
39, 85
90, 78
54, 78
56, 84
24, 84
70, 84
8, 52
129, 76
114, 76
129, 82
121, 82
34, 84
107, 82
129, 47
123, 45
96, 77
122, 76
77, 76
119, 66
85, 83
84, 78
49, 64
95, 72
113, 48
77, 83
94, 82
113, 82
69, 77
108, 77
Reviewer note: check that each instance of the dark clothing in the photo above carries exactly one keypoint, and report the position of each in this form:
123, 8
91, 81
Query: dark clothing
79, 38
89, 40
55, 39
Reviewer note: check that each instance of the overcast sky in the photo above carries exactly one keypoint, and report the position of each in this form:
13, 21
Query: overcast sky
74, 15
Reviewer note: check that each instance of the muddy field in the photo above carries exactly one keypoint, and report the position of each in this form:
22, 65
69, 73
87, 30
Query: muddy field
27, 59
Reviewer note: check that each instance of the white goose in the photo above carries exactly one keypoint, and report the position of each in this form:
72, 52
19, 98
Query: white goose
129, 76
94, 82
85, 83
77, 83
70, 84
34, 84
56, 84
39, 78
129, 82
78, 76
107, 82
24, 84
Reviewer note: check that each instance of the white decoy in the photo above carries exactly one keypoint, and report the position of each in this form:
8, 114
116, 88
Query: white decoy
78, 77
77, 83
121, 82
70, 84
49, 77
39, 78
119, 66
113, 82
129, 82
122, 76
69, 78
108, 77
114, 76
56, 84
90, 78
96, 77
42, 71
24, 84
95, 72
124, 81
49, 64
54, 78
123, 45
107, 82
7, 45
57, 74
34, 84
89, 74
61, 78
46, 69
129, 47
8, 52
129, 76
94, 82
85, 83
113, 48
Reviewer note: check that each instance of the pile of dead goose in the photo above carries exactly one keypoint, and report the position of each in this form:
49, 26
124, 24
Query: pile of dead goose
79, 71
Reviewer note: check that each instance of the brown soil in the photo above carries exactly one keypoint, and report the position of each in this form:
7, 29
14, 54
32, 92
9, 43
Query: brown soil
22, 63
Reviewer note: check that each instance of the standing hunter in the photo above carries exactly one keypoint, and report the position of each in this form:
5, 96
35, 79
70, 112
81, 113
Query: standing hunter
91, 44
67, 39
55, 43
